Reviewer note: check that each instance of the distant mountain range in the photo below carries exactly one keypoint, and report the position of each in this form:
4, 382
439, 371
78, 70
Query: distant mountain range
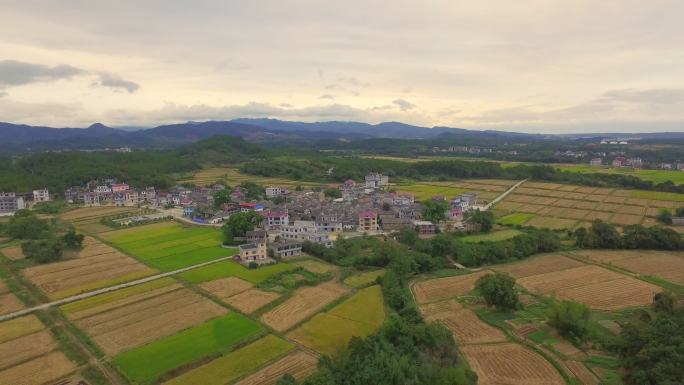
21, 138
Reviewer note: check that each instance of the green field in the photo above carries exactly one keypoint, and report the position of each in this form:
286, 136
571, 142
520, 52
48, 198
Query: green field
233, 269
170, 246
515, 219
144, 365
228, 368
655, 176
363, 279
358, 316
663, 196
496, 236
424, 191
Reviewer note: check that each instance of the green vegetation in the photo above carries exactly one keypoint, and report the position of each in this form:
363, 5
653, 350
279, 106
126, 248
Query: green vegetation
233, 269
498, 290
655, 176
435, 211
602, 235
496, 236
112, 296
145, 364
170, 246
358, 316
233, 365
363, 279
240, 223
515, 219
571, 319
484, 220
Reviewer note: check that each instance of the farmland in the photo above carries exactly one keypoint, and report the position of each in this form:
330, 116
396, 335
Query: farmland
501, 235
487, 189
305, 302
359, 315
169, 246
8, 301
466, 327
88, 218
233, 269
236, 364
233, 177
147, 363
95, 266
668, 266
299, 364
439, 289
29, 353
239, 294
655, 176
364, 278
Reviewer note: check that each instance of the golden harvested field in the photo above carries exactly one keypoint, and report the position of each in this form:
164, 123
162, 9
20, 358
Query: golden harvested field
439, 289
96, 265
18, 327
239, 294
299, 364
466, 327
510, 363
594, 286
233, 177
661, 264
551, 223
536, 265
39, 371
305, 302
316, 266
119, 324
13, 253
9, 303
626, 219
86, 213
26, 347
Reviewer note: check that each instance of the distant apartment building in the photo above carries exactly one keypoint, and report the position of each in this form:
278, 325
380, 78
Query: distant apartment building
596, 162
102, 189
368, 221
42, 195
272, 192
10, 203
425, 228
634, 162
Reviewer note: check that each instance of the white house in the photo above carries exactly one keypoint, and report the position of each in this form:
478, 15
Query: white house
41, 195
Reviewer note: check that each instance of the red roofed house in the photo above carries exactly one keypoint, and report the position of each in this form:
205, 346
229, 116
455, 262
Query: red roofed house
119, 187
247, 206
368, 221
275, 219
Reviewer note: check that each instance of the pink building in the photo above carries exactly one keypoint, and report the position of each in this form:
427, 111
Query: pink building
120, 187
368, 221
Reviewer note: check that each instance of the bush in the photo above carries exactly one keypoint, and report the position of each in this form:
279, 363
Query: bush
498, 290
571, 319
43, 250
26, 225
73, 240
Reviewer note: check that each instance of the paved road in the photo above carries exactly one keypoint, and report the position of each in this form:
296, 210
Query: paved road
107, 289
504, 195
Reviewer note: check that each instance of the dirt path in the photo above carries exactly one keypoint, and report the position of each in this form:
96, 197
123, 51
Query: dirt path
78, 297
503, 195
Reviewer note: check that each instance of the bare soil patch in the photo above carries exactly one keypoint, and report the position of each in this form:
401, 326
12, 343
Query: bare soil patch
14, 253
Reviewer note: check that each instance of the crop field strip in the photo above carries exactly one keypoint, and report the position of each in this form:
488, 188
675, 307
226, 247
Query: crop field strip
9, 302
465, 325
665, 265
561, 277
95, 266
122, 321
89, 218
299, 364
13, 253
486, 189
233, 177
29, 355
169, 246
239, 294
357, 316
439, 289
363, 279
305, 302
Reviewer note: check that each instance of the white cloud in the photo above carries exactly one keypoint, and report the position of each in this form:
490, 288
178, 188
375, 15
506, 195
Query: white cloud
116, 82
403, 105
15, 73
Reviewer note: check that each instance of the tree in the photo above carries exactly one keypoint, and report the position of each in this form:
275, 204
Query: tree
435, 211
407, 236
287, 379
333, 193
484, 219
222, 196
679, 212
664, 302
571, 319
254, 191
26, 225
72, 240
664, 216
605, 235
43, 250
498, 290
240, 223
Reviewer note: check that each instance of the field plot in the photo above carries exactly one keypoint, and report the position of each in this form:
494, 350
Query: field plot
551, 223
146, 364
13, 253
510, 363
28, 354
132, 317
95, 266
661, 264
539, 264
299, 364
9, 302
232, 176
358, 316
466, 327
170, 246
234, 365
594, 286
239, 294
315, 266
439, 289
305, 302
88, 218
363, 279
496, 236
225, 269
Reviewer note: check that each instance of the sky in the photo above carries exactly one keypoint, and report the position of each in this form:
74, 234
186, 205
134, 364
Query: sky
549, 66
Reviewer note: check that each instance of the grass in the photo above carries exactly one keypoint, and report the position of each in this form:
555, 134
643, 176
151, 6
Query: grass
112, 296
236, 364
496, 236
233, 177
233, 269
363, 279
655, 176
170, 246
360, 315
515, 219
146, 364
424, 191
663, 196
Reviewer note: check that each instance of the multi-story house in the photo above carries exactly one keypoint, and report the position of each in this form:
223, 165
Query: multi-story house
253, 252
424, 228
596, 162
375, 180
275, 219
10, 203
284, 249
305, 231
91, 198
368, 221
42, 195
72, 194
119, 187
274, 191
102, 189
618, 161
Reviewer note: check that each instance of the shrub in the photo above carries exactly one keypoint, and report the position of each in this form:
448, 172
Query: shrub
571, 319
498, 290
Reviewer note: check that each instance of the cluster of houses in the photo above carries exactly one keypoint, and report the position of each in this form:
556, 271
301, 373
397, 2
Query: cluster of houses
619, 161
473, 150
11, 202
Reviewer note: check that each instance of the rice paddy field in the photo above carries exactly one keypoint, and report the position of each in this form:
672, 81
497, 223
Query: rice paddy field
486, 189
170, 246
558, 206
655, 176
233, 177
364, 278
89, 218
495, 236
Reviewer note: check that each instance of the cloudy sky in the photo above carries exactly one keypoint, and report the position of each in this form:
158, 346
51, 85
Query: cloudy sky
534, 65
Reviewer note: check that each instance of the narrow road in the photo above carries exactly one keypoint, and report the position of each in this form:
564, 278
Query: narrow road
504, 195
108, 289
